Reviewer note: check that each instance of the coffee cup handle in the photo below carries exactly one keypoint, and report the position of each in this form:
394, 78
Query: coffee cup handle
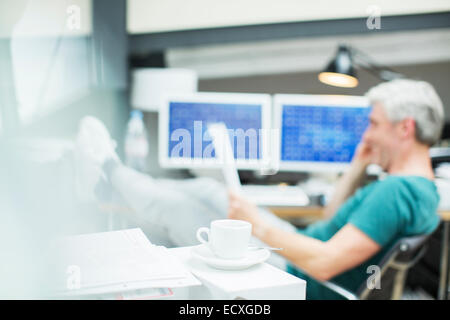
199, 235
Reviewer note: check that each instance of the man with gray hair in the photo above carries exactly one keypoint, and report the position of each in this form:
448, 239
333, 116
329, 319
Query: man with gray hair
363, 223
412, 99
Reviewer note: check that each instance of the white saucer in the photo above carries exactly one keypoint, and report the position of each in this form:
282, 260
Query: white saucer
203, 253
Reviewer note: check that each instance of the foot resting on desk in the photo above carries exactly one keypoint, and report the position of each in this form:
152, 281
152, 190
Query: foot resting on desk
93, 147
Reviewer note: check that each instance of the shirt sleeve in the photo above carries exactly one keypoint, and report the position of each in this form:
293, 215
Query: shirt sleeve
378, 216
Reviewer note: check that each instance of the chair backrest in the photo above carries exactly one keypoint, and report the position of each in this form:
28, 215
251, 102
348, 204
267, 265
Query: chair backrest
393, 269
439, 155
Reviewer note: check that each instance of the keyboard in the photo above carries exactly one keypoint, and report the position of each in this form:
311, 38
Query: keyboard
275, 195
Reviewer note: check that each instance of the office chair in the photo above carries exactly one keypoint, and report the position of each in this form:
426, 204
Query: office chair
394, 267
439, 156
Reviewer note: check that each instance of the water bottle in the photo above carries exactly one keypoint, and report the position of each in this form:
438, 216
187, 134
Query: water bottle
136, 144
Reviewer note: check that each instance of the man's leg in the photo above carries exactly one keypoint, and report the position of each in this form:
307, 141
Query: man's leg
166, 207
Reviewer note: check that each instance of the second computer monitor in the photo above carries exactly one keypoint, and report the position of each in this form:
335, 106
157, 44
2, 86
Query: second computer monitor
184, 119
318, 132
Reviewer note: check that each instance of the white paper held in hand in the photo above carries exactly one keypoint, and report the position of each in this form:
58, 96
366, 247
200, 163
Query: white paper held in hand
225, 155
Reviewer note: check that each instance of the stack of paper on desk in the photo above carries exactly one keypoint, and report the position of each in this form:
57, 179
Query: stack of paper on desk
118, 261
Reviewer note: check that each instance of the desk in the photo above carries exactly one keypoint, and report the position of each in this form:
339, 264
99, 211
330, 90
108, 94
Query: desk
259, 282
315, 212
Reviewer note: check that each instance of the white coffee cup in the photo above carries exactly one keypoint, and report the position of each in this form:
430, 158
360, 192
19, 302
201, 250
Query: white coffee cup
227, 239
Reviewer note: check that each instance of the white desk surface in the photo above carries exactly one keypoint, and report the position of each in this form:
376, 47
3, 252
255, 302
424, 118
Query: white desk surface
262, 281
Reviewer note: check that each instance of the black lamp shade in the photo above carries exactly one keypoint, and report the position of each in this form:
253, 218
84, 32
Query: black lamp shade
340, 71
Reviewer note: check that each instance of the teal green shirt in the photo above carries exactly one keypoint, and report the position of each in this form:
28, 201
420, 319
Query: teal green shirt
386, 211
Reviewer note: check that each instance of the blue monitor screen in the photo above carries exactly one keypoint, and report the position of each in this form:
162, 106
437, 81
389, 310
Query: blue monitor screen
321, 133
188, 123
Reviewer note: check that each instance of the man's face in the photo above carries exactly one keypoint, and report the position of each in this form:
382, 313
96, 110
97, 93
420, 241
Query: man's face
381, 136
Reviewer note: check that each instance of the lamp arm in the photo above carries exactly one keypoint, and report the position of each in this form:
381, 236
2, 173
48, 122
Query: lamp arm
367, 63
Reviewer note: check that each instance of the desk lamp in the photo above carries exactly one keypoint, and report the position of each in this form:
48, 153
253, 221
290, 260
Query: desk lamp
340, 71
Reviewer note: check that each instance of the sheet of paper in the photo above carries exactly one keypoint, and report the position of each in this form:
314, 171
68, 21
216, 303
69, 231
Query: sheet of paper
225, 156
120, 260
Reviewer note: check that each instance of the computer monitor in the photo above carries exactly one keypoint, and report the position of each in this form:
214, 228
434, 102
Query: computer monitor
183, 122
318, 132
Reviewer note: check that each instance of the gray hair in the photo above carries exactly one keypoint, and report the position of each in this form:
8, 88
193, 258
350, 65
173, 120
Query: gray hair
404, 98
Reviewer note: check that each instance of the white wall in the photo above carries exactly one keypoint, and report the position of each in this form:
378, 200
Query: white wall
147, 16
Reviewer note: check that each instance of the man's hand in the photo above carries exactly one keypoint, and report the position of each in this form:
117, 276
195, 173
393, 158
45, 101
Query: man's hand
364, 154
352, 179
240, 208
